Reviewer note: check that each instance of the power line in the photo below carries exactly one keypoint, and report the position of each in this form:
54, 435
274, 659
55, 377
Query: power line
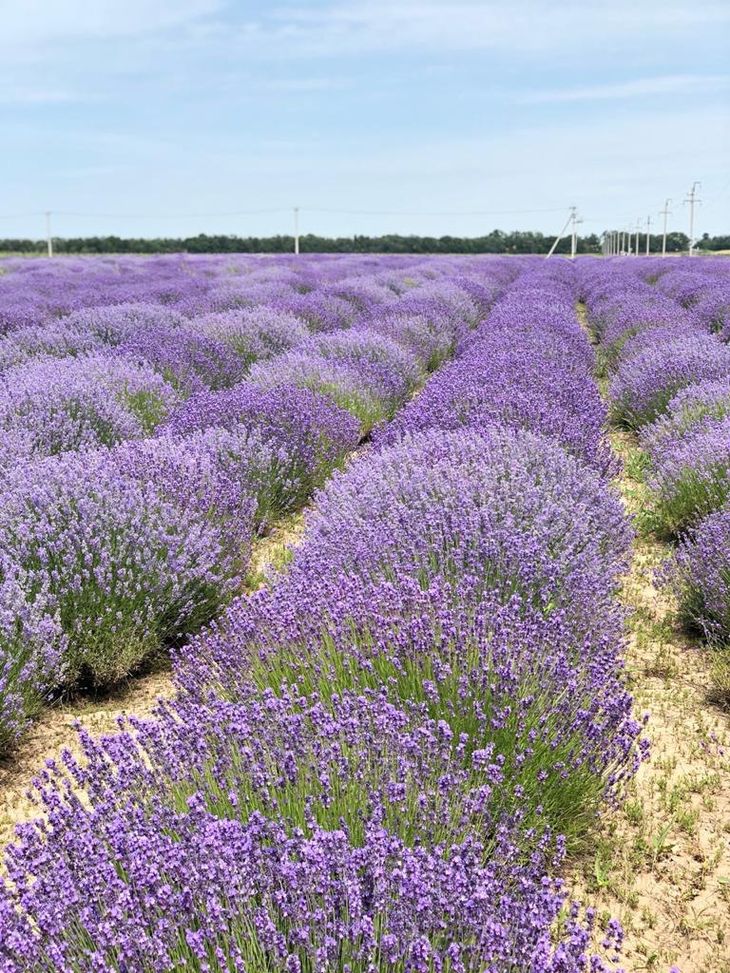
395, 212
169, 216
279, 209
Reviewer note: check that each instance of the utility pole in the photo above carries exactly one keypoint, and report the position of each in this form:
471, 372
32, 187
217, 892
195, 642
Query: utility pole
296, 229
49, 238
574, 233
638, 233
559, 237
573, 240
648, 234
665, 213
692, 200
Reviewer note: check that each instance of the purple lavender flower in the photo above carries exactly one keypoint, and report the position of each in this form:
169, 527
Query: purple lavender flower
320, 311
48, 407
693, 407
691, 475
310, 431
645, 383
55, 340
700, 577
365, 373
115, 323
712, 309
189, 361
513, 372
254, 334
123, 564
501, 508
33, 648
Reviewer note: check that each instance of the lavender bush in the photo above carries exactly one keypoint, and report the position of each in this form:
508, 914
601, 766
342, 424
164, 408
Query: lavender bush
691, 476
33, 649
220, 471
428, 343
121, 565
113, 324
254, 334
500, 508
308, 432
371, 391
192, 890
57, 340
700, 577
514, 371
696, 406
645, 383
380, 761
189, 361
50, 407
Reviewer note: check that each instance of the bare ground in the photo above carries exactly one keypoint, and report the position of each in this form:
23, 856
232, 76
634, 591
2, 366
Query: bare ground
55, 729
661, 862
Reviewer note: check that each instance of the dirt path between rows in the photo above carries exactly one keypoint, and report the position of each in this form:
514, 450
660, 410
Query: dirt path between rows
55, 729
661, 862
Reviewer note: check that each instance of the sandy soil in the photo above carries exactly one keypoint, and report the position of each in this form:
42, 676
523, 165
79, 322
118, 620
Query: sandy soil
661, 862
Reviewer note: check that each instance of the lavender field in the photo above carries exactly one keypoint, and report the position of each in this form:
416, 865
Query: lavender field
391, 756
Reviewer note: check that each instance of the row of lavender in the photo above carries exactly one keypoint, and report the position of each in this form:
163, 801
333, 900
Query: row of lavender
664, 335
378, 762
143, 449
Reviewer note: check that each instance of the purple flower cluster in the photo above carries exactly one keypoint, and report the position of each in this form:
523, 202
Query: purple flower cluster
57, 340
690, 475
510, 510
256, 333
652, 338
690, 410
190, 361
646, 381
527, 366
52, 406
309, 432
33, 649
92, 375
124, 561
380, 761
625, 312
115, 323
700, 577
672, 380
197, 890
364, 372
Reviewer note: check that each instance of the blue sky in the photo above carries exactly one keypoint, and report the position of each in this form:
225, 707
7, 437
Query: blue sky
147, 117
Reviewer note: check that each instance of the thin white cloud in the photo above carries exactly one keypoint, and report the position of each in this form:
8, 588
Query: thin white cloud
41, 96
32, 25
344, 27
299, 85
638, 88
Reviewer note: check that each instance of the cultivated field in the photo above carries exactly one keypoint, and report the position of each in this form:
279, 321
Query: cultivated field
428, 562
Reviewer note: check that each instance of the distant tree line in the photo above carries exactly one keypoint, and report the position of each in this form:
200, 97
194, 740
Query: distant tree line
498, 241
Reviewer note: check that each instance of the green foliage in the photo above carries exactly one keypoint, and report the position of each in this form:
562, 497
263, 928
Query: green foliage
497, 241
